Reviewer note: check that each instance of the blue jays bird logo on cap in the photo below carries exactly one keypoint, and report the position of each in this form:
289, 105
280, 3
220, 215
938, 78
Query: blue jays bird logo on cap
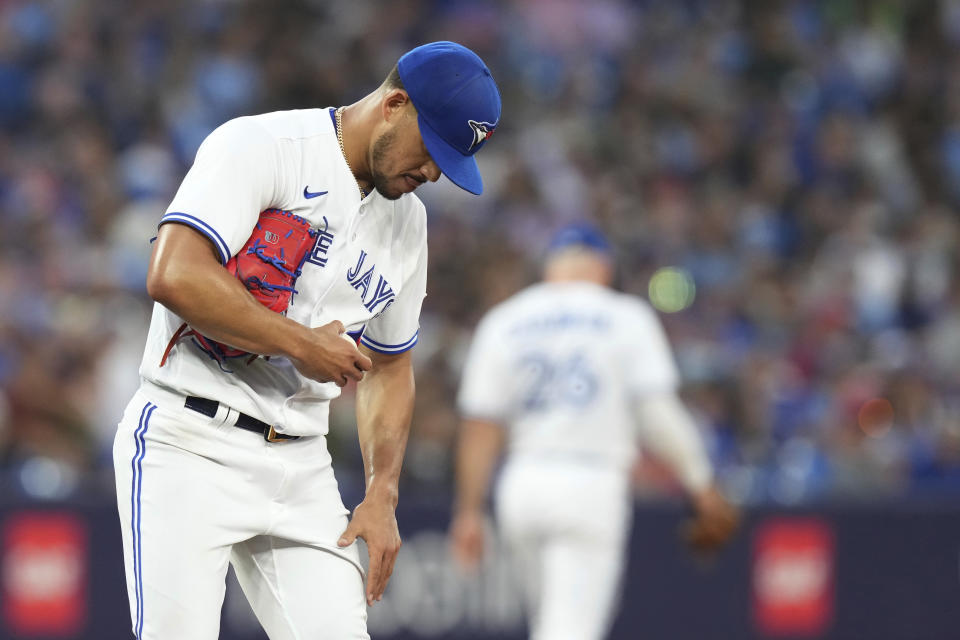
481, 131
450, 87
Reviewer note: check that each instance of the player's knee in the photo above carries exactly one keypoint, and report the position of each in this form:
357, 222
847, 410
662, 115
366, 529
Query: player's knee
346, 620
347, 627
566, 632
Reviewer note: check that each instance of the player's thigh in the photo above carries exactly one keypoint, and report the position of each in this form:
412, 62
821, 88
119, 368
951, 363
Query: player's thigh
299, 591
175, 575
524, 550
580, 582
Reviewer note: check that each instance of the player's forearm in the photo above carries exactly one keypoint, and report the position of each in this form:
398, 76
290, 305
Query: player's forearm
186, 277
668, 431
384, 409
226, 312
479, 447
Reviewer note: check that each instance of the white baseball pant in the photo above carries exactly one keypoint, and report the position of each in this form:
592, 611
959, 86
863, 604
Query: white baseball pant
195, 493
565, 523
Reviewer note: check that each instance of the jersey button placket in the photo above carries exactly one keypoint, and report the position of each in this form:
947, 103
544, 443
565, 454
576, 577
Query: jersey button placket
355, 222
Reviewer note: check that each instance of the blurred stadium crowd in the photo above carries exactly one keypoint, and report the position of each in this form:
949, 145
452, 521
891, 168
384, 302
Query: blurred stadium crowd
781, 179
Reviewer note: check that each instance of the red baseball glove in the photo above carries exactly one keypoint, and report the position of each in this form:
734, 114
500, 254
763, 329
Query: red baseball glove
268, 265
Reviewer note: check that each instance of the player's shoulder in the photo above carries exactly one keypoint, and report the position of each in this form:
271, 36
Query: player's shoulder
257, 133
241, 134
295, 124
412, 208
623, 308
519, 303
630, 303
409, 217
628, 310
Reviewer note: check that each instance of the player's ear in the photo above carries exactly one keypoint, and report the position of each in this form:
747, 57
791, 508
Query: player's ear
394, 103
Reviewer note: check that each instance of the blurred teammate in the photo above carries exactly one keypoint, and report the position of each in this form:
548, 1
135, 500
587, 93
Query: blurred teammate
564, 376
221, 455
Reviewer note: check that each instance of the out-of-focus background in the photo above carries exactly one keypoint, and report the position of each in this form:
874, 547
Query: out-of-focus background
781, 180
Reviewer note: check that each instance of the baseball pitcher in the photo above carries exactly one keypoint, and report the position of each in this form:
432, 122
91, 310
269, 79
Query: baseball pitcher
291, 230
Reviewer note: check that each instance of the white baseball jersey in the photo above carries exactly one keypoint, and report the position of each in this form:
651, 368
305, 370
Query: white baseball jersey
367, 267
561, 364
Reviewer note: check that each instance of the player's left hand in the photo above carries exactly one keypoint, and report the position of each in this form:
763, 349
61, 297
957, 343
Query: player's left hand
467, 538
374, 520
714, 523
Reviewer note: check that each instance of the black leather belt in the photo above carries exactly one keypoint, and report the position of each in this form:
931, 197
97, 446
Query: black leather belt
209, 409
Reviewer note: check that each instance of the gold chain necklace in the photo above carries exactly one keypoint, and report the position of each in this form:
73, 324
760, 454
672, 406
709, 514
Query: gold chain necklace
339, 116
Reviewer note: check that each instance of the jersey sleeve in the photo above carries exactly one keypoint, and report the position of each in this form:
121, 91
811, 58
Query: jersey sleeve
481, 395
652, 369
234, 177
397, 328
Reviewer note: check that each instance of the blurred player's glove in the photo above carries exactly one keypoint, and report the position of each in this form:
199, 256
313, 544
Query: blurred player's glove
268, 265
713, 524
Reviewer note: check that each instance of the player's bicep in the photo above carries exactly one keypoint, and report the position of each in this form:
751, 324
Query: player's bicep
180, 241
179, 251
651, 367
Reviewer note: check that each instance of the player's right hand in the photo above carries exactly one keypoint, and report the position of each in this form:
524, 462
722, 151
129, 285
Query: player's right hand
467, 538
327, 357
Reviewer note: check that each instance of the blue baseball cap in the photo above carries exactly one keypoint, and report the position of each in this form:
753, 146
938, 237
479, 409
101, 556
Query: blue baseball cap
458, 106
581, 234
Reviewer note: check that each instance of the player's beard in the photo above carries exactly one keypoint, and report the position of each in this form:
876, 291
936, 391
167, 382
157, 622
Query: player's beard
381, 181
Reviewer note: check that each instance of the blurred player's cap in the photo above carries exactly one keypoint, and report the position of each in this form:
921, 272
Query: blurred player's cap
458, 106
581, 234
